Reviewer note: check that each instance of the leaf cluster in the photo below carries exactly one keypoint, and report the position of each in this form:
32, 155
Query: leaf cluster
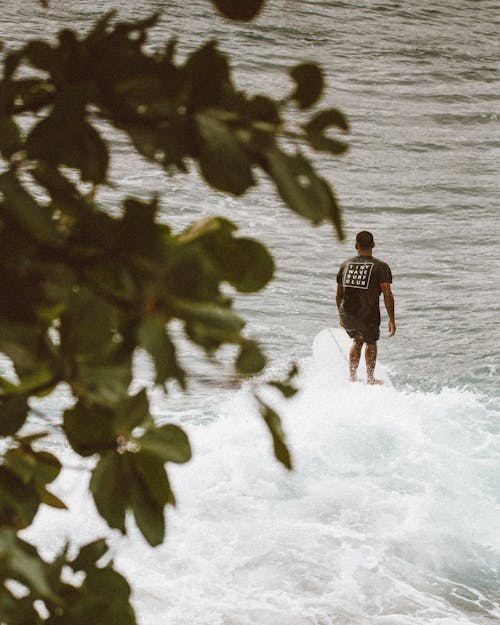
81, 290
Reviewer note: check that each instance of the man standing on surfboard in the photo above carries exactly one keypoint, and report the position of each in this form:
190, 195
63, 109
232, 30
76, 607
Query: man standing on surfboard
360, 281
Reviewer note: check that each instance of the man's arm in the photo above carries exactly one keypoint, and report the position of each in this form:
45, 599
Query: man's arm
385, 287
339, 297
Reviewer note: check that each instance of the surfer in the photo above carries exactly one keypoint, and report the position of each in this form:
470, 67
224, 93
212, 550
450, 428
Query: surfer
360, 280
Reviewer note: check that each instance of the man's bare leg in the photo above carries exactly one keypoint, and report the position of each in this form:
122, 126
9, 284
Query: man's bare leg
354, 356
371, 359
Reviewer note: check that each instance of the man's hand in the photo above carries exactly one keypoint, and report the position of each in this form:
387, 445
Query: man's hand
385, 287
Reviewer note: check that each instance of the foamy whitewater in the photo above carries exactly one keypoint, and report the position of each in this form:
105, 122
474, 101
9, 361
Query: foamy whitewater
392, 513
391, 516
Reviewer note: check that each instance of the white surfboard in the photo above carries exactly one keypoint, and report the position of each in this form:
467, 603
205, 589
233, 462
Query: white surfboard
331, 349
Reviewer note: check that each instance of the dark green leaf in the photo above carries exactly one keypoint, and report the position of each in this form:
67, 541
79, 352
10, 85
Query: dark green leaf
334, 212
33, 218
25, 565
13, 413
138, 231
239, 10
299, 186
10, 137
309, 80
165, 146
223, 162
89, 429
319, 123
89, 555
273, 422
109, 485
247, 264
206, 78
19, 502
109, 585
152, 335
49, 499
18, 610
287, 390
263, 109
168, 443
31, 94
152, 471
37, 466
11, 63
327, 119
41, 55
104, 382
72, 142
207, 226
148, 513
132, 412
210, 315
250, 359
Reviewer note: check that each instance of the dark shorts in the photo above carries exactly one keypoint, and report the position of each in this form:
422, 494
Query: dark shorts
363, 331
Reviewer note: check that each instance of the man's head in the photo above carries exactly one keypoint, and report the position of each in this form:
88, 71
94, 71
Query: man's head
364, 241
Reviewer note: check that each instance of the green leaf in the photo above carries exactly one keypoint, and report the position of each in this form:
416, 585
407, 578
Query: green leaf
89, 429
152, 471
10, 137
148, 513
88, 324
263, 109
41, 467
109, 485
109, 585
299, 186
319, 123
89, 554
104, 382
132, 412
138, 231
49, 499
166, 146
273, 422
70, 141
19, 502
248, 266
24, 565
206, 227
33, 218
18, 610
210, 315
168, 443
13, 413
152, 335
41, 55
309, 84
239, 10
31, 94
205, 78
287, 390
12, 61
223, 162
250, 359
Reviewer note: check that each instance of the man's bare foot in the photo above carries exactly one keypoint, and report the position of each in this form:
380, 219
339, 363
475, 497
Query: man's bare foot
373, 381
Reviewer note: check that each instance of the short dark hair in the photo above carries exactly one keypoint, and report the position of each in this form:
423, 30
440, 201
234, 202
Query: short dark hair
364, 239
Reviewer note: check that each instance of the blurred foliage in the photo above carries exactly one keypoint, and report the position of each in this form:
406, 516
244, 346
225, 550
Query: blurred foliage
81, 289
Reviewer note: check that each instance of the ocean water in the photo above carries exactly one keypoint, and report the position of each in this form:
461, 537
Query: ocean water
392, 515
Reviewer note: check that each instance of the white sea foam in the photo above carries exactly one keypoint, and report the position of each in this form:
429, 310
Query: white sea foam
391, 516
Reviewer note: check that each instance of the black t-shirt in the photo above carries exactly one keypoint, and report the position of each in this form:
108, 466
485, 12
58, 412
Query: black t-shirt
361, 277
